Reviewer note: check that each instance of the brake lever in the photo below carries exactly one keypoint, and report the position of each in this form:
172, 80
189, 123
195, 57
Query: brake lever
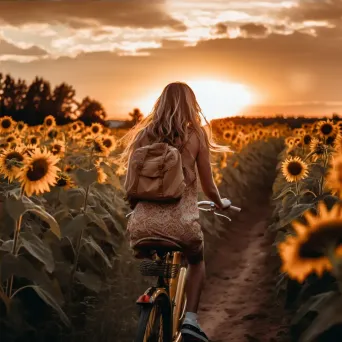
227, 217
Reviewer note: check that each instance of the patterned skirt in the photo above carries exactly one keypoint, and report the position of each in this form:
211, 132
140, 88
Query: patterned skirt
178, 222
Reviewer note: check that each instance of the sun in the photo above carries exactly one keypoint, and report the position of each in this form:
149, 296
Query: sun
218, 99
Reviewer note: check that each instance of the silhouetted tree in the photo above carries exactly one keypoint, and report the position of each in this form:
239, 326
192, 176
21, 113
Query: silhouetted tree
136, 116
63, 104
91, 111
38, 101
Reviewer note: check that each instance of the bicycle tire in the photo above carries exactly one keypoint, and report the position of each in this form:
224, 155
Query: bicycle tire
160, 308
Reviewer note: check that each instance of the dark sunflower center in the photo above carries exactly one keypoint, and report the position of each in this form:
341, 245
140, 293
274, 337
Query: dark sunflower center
307, 139
319, 149
326, 128
56, 149
98, 147
12, 158
319, 240
39, 169
52, 134
20, 127
48, 122
95, 129
107, 142
34, 140
62, 182
294, 168
6, 123
9, 139
330, 140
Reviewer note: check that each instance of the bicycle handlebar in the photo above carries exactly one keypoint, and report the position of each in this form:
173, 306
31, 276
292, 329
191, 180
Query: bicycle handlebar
212, 205
213, 208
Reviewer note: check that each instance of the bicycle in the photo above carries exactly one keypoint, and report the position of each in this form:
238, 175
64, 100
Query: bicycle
162, 307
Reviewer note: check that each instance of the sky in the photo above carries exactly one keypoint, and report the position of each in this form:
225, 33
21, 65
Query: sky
241, 57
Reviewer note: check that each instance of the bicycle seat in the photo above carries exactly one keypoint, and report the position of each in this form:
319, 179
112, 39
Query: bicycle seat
145, 247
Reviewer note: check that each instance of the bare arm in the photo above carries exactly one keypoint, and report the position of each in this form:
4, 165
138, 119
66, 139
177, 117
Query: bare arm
206, 175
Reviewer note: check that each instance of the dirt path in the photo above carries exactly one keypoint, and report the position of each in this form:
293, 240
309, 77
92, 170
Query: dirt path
238, 303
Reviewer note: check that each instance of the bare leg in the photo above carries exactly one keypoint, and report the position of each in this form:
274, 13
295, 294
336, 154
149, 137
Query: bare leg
195, 280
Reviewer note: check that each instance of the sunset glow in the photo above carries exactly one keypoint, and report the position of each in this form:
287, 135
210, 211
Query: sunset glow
217, 99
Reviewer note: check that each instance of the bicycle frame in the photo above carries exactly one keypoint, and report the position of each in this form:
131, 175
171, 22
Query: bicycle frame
174, 289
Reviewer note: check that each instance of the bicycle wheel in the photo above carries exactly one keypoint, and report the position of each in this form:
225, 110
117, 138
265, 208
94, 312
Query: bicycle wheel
155, 321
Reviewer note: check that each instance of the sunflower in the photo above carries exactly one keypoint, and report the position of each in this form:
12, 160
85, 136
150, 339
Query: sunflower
21, 126
6, 124
64, 181
95, 129
49, 121
326, 128
33, 140
334, 176
306, 140
75, 127
11, 160
109, 142
227, 135
99, 147
294, 169
68, 168
57, 148
317, 148
11, 137
101, 175
39, 172
28, 149
289, 141
307, 251
52, 133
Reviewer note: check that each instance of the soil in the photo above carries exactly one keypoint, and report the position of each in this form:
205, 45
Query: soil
239, 303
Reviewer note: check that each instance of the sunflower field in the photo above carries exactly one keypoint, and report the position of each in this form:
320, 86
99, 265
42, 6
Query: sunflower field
66, 272
308, 222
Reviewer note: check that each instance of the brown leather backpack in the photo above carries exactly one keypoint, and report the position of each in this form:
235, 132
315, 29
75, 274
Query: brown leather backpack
155, 173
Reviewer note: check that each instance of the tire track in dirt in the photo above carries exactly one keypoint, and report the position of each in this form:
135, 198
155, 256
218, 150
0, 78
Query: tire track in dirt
238, 303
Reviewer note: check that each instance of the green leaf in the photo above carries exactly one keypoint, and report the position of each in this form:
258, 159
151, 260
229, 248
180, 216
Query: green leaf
89, 280
85, 178
97, 220
15, 207
98, 249
296, 212
19, 266
329, 314
75, 226
49, 219
112, 179
7, 246
50, 300
38, 249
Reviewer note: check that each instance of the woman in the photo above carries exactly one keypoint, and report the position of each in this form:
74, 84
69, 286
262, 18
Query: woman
176, 119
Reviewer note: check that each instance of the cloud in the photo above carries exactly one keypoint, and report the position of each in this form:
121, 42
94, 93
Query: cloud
253, 30
315, 10
7, 48
130, 13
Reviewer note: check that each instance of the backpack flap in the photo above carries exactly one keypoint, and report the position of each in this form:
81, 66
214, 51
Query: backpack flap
155, 173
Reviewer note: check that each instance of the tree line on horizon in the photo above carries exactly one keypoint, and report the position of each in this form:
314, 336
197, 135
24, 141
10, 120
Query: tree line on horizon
31, 103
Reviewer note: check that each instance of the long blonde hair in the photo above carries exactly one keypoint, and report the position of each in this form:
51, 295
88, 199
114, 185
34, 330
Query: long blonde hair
175, 110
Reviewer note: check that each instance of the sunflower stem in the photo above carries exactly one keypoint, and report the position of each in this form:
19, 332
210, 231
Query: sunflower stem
297, 192
14, 251
80, 237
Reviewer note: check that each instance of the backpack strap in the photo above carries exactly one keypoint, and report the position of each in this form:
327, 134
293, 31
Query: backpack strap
139, 168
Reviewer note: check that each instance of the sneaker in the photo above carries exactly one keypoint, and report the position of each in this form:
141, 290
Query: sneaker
193, 333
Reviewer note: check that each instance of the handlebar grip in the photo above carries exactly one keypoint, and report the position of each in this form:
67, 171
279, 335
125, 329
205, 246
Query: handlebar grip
234, 208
